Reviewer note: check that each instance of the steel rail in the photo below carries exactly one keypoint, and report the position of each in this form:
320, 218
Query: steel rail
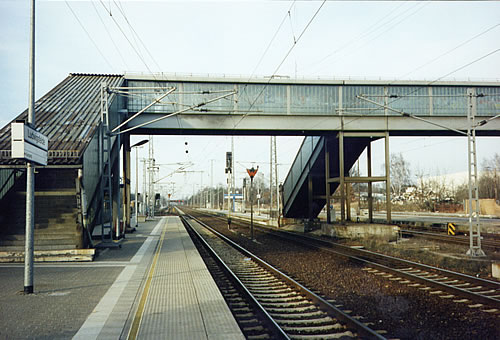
446, 274
274, 328
457, 239
368, 257
324, 305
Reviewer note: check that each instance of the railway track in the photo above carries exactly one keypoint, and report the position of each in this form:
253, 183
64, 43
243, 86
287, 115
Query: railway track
286, 309
490, 243
476, 292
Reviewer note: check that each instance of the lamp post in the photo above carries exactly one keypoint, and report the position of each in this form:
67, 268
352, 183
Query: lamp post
251, 172
136, 145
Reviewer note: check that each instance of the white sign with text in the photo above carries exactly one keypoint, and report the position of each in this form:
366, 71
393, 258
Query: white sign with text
28, 144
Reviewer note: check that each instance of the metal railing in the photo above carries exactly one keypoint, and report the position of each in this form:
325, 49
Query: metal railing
301, 161
8, 179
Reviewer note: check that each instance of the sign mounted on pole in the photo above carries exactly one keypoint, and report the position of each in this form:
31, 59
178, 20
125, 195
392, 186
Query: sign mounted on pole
28, 144
451, 229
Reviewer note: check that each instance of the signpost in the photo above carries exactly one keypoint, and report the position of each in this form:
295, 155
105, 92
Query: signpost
229, 170
251, 172
32, 146
451, 229
28, 144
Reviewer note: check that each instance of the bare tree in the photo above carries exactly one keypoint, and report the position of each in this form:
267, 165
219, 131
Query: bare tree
400, 173
488, 181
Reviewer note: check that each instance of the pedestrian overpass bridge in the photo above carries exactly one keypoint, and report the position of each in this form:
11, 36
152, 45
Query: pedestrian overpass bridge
282, 106
339, 117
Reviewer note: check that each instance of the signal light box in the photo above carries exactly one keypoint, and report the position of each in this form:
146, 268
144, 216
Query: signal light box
28, 144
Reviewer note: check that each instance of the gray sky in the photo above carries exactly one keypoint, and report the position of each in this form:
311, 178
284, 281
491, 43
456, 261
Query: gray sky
361, 40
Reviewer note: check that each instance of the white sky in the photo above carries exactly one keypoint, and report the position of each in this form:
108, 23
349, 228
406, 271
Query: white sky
369, 39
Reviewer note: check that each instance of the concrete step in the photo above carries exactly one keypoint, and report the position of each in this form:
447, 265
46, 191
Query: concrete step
40, 236
70, 241
37, 248
13, 254
18, 234
61, 218
46, 213
41, 228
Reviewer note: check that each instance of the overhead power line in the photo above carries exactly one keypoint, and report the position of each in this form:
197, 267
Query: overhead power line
88, 35
281, 63
371, 29
126, 37
272, 40
466, 65
109, 35
122, 11
418, 89
267, 48
451, 50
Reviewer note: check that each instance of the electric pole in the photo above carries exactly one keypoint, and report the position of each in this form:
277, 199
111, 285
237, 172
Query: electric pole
211, 183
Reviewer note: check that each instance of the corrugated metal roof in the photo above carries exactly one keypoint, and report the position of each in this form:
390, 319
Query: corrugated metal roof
68, 115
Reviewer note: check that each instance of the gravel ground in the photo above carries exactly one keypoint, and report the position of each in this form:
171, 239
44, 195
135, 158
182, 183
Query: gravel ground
405, 312
433, 253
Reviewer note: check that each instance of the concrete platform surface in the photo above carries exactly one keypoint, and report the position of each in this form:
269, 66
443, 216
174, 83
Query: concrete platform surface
155, 286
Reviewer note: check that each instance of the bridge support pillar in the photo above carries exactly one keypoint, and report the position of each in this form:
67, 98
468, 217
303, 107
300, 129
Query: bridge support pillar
126, 181
345, 181
341, 176
327, 183
348, 201
370, 190
115, 197
387, 179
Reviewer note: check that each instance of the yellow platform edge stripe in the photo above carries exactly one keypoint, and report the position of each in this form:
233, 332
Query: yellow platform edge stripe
134, 330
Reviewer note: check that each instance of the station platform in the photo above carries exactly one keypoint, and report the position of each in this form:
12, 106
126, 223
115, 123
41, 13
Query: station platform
155, 287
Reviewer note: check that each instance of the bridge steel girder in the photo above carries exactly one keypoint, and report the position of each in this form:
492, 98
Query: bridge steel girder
237, 124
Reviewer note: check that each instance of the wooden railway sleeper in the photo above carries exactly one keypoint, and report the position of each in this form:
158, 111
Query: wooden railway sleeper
298, 316
266, 295
285, 304
321, 321
268, 300
264, 290
309, 308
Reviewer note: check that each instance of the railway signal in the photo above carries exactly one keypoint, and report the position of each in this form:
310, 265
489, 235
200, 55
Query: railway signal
229, 164
251, 172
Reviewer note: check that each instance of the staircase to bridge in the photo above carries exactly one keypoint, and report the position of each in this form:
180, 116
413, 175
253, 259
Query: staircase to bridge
304, 188
55, 218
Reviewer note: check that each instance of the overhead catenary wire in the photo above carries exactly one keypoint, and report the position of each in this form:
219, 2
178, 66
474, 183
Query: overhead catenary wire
272, 40
449, 73
88, 35
451, 50
122, 11
267, 47
466, 65
354, 119
402, 16
372, 28
109, 35
281, 63
128, 40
